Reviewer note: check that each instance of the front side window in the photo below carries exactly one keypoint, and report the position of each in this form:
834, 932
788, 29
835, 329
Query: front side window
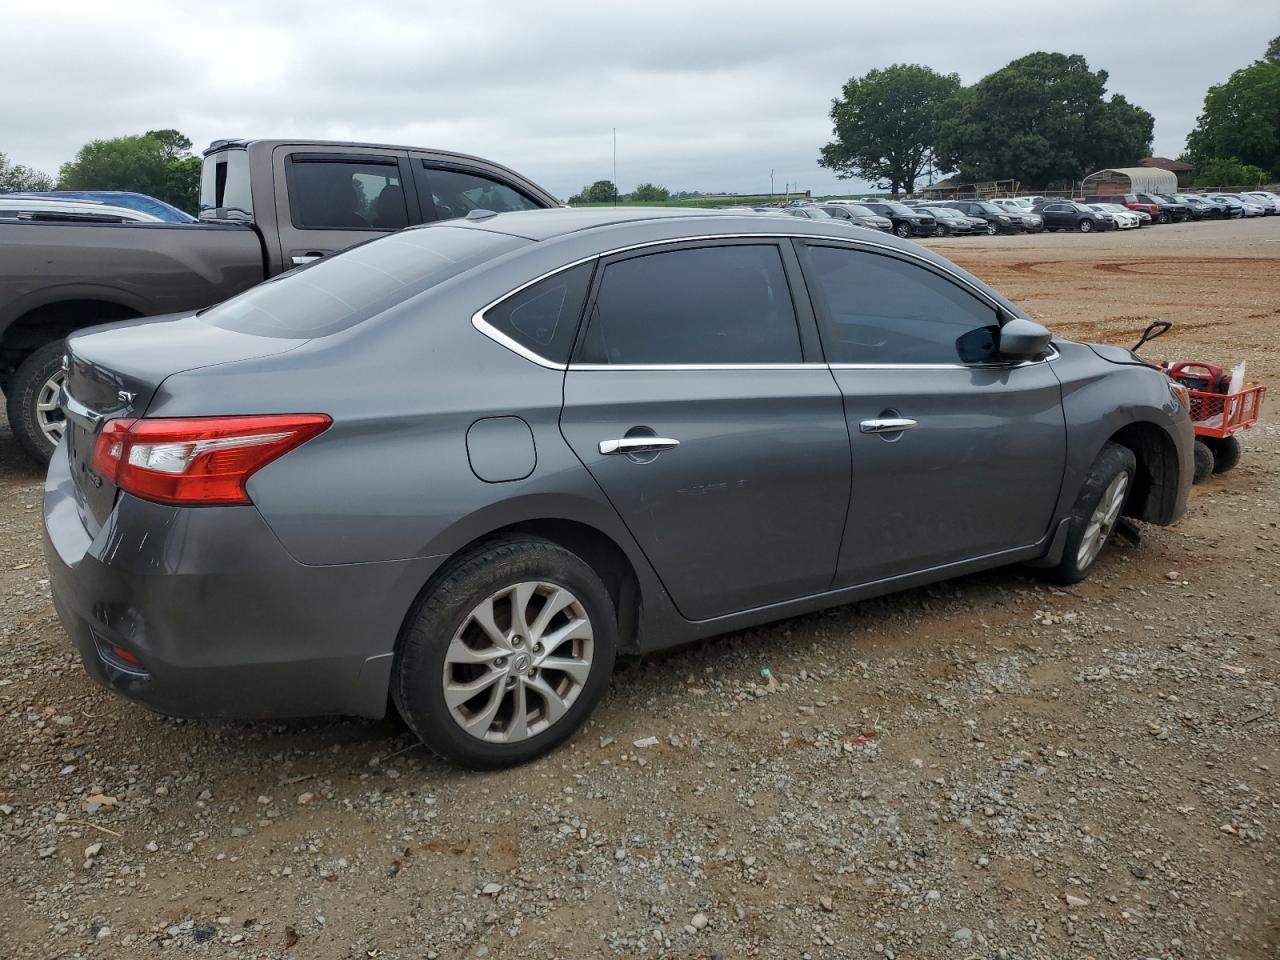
708, 305
878, 309
455, 193
543, 317
352, 194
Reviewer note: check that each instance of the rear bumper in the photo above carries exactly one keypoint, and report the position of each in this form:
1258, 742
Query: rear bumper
224, 622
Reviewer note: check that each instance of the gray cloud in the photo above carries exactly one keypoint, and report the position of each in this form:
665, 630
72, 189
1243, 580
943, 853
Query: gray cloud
709, 95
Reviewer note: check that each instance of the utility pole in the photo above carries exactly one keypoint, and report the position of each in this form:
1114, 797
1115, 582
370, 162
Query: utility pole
615, 166
770, 184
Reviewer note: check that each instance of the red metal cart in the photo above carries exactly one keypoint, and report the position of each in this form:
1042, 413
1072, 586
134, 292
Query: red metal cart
1216, 414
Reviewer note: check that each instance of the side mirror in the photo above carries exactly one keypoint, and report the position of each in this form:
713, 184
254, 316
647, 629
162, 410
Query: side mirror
1022, 339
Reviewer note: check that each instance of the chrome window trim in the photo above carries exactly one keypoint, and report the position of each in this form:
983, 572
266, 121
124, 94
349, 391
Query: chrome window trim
481, 325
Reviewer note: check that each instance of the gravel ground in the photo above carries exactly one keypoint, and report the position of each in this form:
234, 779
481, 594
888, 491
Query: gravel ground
986, 768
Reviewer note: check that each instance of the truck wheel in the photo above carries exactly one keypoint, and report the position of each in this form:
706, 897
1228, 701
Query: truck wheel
34, 414
1162, 217
1226, 454
506, 655
1097, 508
1204, 462
903, 230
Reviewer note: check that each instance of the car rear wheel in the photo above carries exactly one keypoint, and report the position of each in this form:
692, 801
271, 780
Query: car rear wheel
35, 414
506, 655
1097, 509
903, 230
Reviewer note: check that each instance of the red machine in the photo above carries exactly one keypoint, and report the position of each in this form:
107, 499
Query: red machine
1216, 413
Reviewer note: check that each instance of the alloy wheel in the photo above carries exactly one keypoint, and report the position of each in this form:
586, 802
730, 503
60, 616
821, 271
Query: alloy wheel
991, 230
1103, 520
50, 419
518, 662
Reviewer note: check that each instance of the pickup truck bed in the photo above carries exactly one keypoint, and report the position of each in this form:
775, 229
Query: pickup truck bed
265, 207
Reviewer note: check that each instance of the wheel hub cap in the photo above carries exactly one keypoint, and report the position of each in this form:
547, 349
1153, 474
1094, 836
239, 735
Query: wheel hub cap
518, 662
1103, 520
49, 416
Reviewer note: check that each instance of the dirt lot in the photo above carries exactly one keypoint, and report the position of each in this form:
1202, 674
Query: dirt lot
988, 768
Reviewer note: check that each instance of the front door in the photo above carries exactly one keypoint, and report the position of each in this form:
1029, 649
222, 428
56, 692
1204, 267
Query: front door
955, 455
719, 438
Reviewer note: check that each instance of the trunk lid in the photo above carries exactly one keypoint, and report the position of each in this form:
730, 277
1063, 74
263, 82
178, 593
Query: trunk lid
114, 372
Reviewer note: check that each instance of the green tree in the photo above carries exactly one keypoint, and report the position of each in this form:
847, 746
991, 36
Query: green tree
602, 191
1273, 51
648, 192
1041, 119
1229, 172
884, 124
1241, 119
16, 177
158, 163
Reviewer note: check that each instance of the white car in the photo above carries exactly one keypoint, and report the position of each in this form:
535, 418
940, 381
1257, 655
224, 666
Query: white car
1017, 204
1252, 208
1125, 218
1268, 200
54, 208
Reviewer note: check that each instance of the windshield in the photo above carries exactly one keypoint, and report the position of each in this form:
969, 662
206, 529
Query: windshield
991, 208
339, 291
945, 212
816, 213
901, 209
859, 211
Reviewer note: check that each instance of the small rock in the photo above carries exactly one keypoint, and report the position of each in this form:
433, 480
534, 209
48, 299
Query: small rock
92, 850
647, 742
699, 921
826, 904
491, 889
963, 935
305, 798
1076, 902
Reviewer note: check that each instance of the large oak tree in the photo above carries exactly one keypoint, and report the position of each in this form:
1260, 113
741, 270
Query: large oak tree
884, 125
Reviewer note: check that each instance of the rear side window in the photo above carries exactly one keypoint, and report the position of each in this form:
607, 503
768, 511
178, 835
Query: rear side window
543, 317
710, 305
346, 195
340, 291
455, 193
877, 309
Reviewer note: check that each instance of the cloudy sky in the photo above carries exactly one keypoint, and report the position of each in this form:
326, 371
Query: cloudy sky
704, 94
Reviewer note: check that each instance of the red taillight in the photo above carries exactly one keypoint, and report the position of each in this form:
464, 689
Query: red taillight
197, 460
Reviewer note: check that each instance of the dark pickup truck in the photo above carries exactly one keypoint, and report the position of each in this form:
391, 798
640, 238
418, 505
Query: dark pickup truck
266, 206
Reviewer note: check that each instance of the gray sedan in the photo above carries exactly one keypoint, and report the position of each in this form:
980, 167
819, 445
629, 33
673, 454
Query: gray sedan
465, 466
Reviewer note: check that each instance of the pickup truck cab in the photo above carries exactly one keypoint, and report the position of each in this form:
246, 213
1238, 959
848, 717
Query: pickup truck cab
266, 206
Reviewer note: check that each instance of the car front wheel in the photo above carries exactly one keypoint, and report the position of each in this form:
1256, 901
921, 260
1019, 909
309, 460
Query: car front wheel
506, 655
1097, 509
1086, 226
903, 230
992, 230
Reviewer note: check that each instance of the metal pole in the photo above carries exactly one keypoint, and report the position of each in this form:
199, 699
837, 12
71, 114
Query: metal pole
770, 184
615, 166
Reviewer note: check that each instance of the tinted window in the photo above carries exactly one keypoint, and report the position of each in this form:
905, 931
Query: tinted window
346, 288
346, 195
877, 309
456, 193
725, 304
543, 317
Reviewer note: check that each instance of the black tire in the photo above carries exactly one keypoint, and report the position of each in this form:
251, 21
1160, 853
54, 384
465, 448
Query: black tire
1162, 217
903, 230
1086, 226
39, 369
941, 231
1113, 461
420, 664
1204, 462
992, 229
1226, 454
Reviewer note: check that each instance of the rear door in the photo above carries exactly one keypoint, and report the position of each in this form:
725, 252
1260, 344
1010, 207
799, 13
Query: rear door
956, 456
337, 197
698, 400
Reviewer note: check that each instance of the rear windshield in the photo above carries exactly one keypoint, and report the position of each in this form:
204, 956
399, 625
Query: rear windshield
224, 186
347, 288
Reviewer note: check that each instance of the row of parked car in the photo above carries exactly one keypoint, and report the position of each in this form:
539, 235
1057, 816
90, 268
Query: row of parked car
1031, 214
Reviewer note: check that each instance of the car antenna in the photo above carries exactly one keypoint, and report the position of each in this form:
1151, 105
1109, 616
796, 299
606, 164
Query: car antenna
1154, 329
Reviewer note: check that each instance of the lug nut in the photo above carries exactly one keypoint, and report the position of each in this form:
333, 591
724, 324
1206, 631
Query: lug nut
517, 641
538, 648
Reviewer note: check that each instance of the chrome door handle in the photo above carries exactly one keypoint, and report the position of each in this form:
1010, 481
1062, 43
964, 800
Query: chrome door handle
637, 445
886, 425
303, 258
